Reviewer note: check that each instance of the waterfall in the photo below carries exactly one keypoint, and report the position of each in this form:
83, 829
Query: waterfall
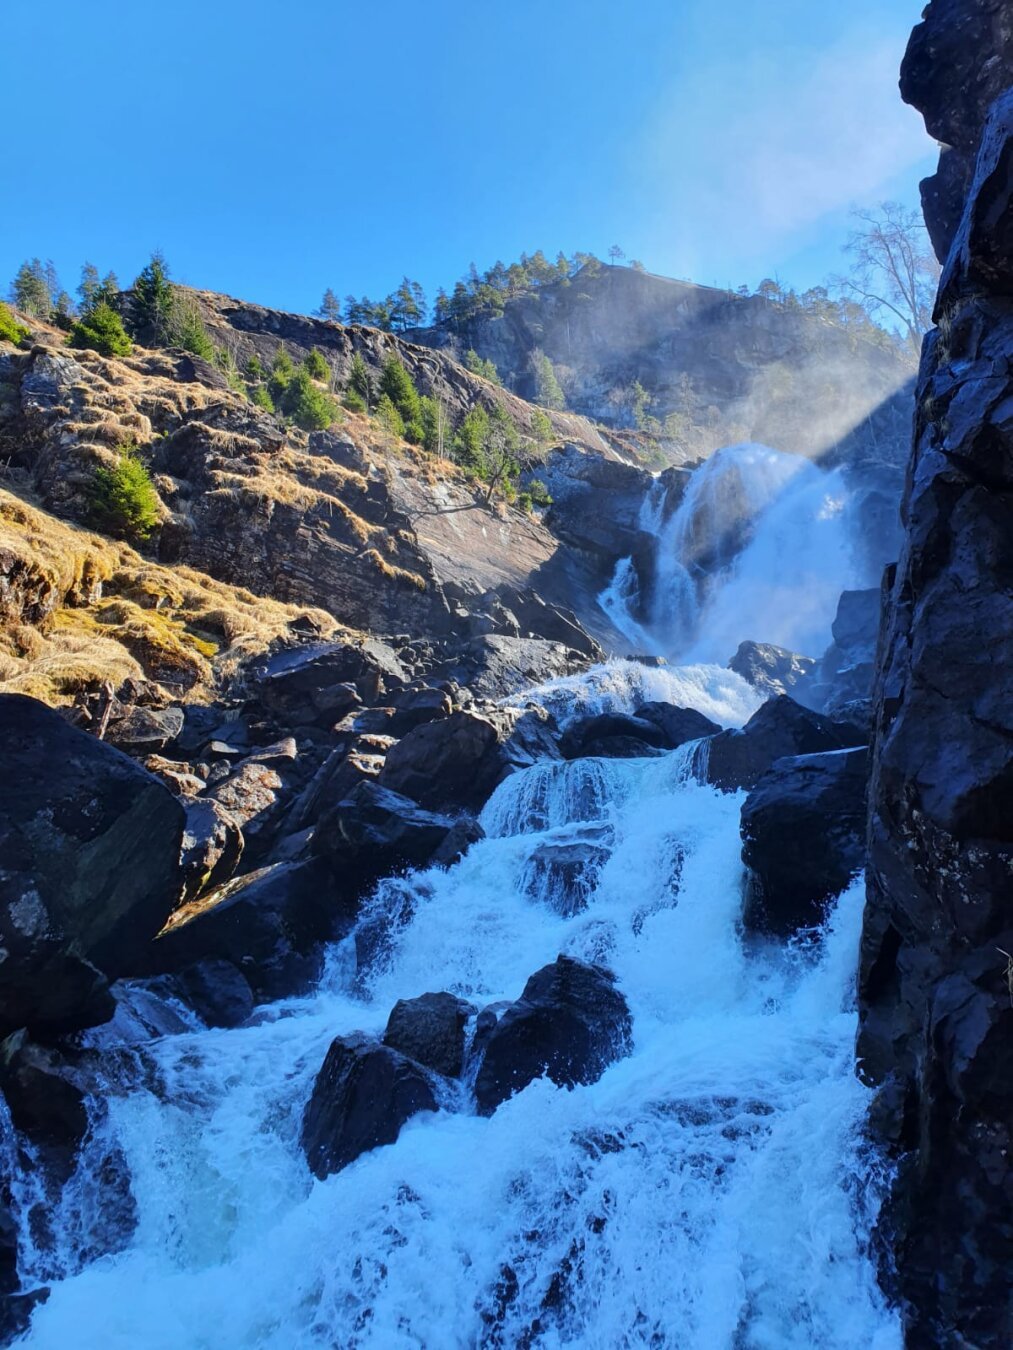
711, 1190
761, 546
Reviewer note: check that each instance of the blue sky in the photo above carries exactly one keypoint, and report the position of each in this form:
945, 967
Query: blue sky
271, 150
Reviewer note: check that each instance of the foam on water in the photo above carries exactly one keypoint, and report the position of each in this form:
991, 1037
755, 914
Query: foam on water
622, 686
711, 1190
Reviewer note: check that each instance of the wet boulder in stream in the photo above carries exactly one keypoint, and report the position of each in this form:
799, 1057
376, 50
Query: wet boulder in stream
430, 1030
780, 727
375, 832
363, 1095
803, 833
569, 1024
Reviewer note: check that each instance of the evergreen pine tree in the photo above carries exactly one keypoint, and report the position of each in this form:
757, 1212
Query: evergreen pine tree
396, 383
153, 298
330, 307
101, 329
547, 388
30, 290
88, 290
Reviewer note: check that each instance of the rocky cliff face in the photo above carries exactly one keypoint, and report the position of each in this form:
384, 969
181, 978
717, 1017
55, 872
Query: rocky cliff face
730, 368
936, 992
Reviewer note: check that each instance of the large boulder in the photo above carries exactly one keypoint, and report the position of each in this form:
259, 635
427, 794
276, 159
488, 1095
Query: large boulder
772, 670
89, 867
375, 832
780, 727
363, 1095
270, 923
803, 835
612, 736
677, 725
144, 731
430, 1030
320, 682
456, 762
569, 1024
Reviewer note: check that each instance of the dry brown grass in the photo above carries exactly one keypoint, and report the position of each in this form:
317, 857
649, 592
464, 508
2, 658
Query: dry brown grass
113, 615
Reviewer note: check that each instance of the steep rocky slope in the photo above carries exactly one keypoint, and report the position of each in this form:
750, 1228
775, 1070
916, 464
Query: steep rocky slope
729, 367
378, 534
936, 988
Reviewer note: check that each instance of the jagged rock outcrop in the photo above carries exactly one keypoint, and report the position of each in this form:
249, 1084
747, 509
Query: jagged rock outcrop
958, 61
772, 670
935, 994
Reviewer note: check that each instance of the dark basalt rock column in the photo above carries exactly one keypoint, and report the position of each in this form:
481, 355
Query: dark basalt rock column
936, 994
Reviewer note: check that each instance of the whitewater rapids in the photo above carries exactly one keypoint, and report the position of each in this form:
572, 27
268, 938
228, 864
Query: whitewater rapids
712, 1190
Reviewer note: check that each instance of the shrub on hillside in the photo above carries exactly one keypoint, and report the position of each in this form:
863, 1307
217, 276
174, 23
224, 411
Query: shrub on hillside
123, 498
10, 329
389, 417
306, 404
354, 401
101, 329
316, 364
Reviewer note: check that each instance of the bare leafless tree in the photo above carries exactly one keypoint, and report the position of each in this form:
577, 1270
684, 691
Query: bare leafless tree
893, 269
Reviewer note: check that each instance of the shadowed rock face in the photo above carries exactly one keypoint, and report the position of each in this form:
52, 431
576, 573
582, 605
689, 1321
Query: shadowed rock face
935, 1004
957, 62
89, 867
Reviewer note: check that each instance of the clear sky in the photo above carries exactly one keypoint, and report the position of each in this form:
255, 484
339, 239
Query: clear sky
273, 149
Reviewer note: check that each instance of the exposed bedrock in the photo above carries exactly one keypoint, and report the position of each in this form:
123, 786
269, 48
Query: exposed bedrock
936, 1000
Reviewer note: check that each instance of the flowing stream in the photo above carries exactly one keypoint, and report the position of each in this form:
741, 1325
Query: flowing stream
711, 1190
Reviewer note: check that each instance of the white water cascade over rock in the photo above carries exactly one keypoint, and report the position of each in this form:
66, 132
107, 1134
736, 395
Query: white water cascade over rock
760, 547
712, 1189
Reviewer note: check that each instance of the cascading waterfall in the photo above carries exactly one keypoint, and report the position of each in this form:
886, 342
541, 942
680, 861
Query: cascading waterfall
761, 546
711, 1190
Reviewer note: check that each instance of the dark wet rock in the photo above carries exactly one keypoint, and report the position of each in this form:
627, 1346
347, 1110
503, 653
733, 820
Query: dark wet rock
958, 61
47, 1106
89, 867
803, 834
845, 671
212, 846
363, 1095
564, 872
447, 763
269, 923
143, 731
935, 1003
343, 769
772, 670
375, 832
430, 1030
613, 736
217, 991
677, 725
414, 707
781, 727
319, 683
569, 1024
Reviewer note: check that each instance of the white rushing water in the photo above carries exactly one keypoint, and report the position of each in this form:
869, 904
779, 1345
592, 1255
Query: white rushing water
760, 547
711, 1190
